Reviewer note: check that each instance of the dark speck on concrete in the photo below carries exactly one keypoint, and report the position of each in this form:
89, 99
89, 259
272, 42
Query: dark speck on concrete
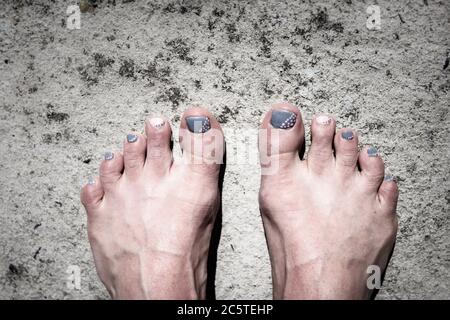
174, 95
16, 270
127, 69
36, 253
53, 116
102, 62
153, 72
13, 269
218, 13
226, 114
57, 116
233, 36
266, 45
184, 8
198, 84
322, 22
308, 49
180, 49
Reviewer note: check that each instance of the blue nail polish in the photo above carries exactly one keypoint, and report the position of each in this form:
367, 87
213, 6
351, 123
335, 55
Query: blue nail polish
389, 177
283, 119
198, 124
132, 138
372, 152
109, 155
347, 135
91, 181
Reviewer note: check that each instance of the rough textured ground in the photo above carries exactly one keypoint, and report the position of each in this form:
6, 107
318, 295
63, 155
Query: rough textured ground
69, 95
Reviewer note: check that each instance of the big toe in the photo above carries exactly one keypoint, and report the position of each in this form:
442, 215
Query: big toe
202, 141
281, 138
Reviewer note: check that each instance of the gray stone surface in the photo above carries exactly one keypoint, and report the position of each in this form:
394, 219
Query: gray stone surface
69, 95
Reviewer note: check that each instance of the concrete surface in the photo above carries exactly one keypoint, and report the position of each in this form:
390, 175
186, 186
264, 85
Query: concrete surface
69, 95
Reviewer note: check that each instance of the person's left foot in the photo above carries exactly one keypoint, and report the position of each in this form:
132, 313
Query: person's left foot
149, 219
330, 219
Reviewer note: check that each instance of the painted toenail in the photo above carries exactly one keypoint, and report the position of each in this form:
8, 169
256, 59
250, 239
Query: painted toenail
389, 177
198, 124
109, 155
157, 123
91, 181
132, 138
372, 152
347, 135
283, 119
323, 120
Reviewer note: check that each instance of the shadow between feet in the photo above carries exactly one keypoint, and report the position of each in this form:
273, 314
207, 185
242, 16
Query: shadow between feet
215, 238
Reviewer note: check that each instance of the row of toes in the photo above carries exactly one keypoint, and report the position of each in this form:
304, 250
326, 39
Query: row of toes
150, 154
331, 151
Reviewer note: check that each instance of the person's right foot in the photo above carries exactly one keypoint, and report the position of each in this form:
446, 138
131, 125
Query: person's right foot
329, 218
150, 219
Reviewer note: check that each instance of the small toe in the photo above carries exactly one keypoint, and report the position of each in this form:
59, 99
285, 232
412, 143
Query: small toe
388, 194
372, 168
320, 155
346, 150
281, 138
159, 152
202, 141
111, 169
134, 149
91, 194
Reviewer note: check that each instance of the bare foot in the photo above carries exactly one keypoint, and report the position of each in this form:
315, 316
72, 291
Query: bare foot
327, 218
149, 218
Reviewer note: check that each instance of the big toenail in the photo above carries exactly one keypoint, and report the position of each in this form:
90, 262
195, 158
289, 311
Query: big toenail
372, 152
157, 123
109, 155
389, 177
283, 119
131, 138
347, 135
91, 181
198, 124
323, 120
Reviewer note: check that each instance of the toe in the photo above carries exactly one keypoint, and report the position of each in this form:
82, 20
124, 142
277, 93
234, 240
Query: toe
281, 138
159, 152
202, 141
346, 150
134, 154
111, 169
372, 168
91, 194
320, 156
388, 194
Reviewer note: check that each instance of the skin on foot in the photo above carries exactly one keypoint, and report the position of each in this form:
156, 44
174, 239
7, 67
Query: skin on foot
150, 218
329, 218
